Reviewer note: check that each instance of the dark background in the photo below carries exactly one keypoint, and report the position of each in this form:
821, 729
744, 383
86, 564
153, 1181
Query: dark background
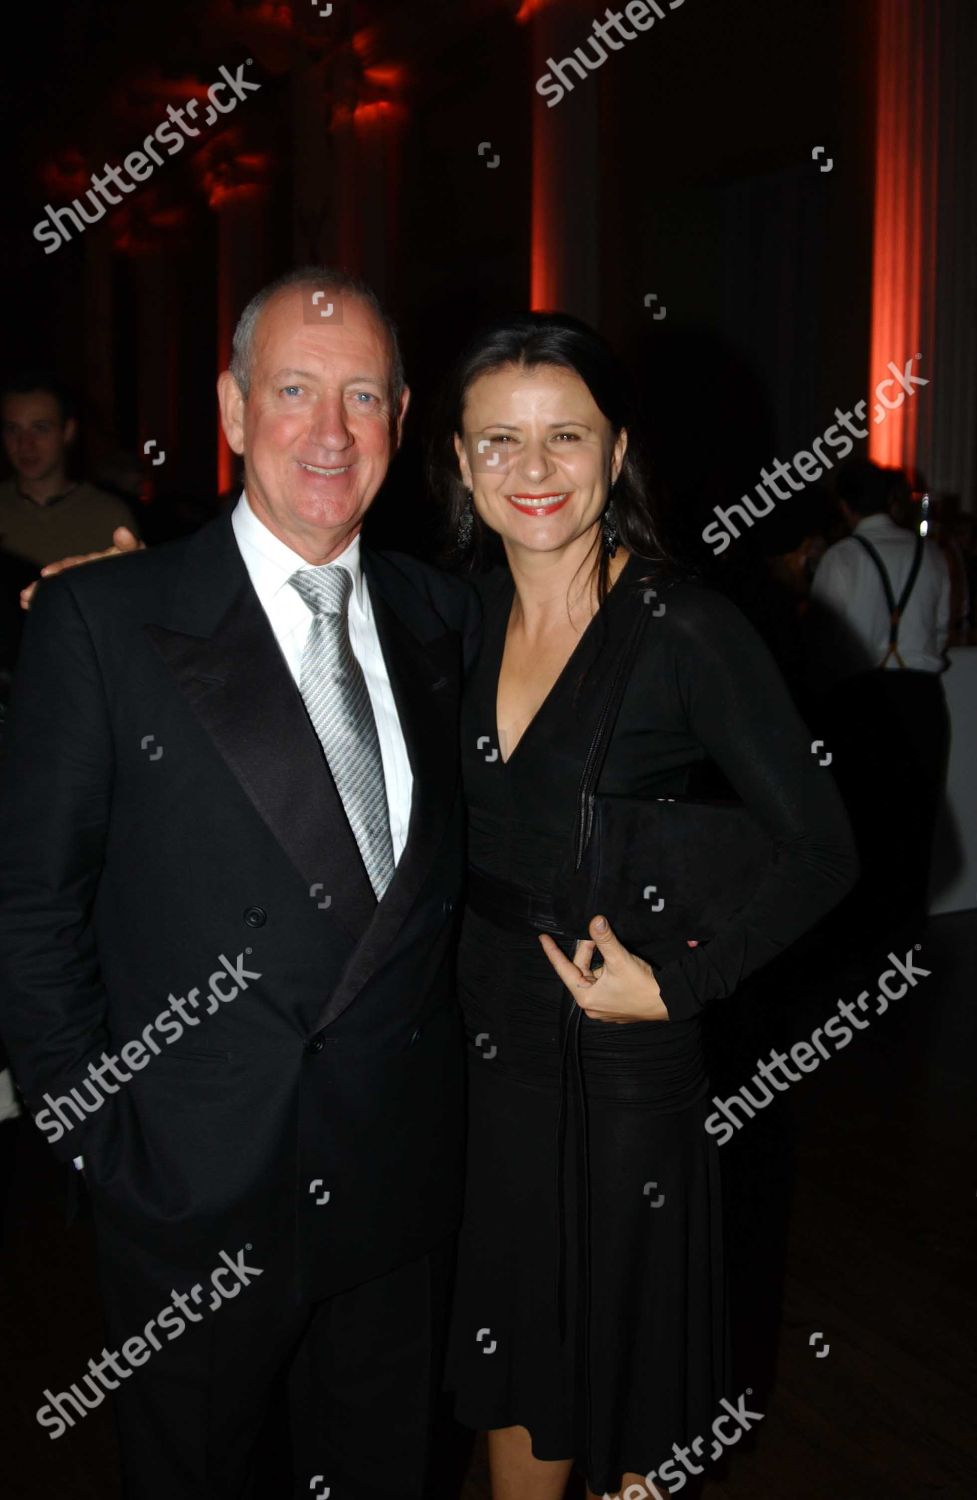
699, 186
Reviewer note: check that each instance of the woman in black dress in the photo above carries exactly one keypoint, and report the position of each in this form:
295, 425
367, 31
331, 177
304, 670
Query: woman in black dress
589, 1322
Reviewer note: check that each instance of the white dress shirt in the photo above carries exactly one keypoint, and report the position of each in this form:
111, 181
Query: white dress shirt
9, 1107
270, 564
848, 590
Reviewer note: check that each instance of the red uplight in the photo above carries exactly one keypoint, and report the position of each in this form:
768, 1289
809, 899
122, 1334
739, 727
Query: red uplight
377, 113
390, 76
530, 8
904, 253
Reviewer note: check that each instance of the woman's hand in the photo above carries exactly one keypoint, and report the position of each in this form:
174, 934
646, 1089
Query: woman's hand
623, 988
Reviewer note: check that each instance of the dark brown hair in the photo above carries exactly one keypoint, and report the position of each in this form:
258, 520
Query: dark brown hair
533, 341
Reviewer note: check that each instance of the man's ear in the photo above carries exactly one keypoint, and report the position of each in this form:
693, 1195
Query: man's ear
70, 431
401, 416
232, 410
463, 464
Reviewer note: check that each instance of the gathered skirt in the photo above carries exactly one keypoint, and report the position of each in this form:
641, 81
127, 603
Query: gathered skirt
589, 1304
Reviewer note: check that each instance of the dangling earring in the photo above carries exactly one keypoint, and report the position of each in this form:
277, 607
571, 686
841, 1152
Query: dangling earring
608, 530
466, 524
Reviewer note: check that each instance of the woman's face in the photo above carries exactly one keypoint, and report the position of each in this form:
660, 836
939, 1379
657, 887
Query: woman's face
538, 454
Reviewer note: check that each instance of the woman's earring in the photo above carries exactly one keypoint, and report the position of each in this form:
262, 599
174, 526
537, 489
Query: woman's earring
466, 524
608, 530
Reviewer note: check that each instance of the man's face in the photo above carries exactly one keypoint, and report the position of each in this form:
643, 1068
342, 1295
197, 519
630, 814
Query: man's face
318, 427
34, 435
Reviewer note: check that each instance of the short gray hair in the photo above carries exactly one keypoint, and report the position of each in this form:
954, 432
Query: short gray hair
324, 278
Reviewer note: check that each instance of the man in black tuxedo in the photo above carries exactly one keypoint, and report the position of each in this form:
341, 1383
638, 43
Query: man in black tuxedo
231, 860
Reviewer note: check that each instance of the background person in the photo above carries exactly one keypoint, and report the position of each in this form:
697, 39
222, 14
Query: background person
44, 514
883, 708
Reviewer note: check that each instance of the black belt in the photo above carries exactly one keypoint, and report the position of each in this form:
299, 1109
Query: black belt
516, 909
512, 907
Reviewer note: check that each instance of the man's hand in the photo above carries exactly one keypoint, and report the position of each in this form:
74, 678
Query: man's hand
123, 541
623, 988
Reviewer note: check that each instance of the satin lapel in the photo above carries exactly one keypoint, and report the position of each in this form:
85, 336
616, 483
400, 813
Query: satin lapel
425, 678
222, 653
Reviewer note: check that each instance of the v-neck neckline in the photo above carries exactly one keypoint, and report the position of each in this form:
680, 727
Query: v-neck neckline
499, 652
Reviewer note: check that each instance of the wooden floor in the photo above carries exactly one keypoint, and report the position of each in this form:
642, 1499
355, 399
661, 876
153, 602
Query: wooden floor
850, 1205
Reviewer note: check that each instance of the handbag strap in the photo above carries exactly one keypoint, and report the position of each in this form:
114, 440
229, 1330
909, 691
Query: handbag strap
600, 743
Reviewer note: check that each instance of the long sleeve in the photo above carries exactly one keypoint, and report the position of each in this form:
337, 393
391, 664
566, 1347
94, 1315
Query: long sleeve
735, 705
56, 781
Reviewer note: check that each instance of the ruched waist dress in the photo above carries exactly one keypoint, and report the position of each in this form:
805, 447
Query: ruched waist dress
589, 1303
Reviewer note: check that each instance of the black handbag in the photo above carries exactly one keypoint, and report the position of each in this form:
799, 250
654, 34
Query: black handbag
661, 870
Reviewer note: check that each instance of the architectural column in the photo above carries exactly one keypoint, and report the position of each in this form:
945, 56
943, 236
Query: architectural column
99, 351
924, 283
236, 183
314, 205
368, 135
566, 205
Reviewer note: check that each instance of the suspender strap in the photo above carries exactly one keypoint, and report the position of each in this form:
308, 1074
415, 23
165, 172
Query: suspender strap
896, 606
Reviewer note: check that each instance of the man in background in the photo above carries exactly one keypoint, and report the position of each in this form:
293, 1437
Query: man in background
880, 616
44, 515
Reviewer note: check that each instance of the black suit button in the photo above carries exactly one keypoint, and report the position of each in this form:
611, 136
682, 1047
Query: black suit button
447, 906
256, 916
316, 1044
414, 1036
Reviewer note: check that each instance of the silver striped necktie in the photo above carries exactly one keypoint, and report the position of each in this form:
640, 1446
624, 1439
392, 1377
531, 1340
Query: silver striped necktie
338, 702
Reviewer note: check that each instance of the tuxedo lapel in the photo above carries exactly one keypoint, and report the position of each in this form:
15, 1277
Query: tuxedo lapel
221, 651
424, 672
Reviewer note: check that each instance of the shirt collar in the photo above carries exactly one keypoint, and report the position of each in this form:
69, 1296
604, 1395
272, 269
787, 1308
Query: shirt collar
880, 521
73, 485
276, 561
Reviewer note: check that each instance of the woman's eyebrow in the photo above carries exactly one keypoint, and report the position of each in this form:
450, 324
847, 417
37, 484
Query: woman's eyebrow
513, 427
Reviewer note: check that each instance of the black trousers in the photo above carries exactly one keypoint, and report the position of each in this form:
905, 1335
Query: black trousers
266, 1397
889, 735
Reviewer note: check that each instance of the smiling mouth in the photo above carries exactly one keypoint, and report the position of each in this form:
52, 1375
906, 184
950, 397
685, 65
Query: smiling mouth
326, 473
538, 505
